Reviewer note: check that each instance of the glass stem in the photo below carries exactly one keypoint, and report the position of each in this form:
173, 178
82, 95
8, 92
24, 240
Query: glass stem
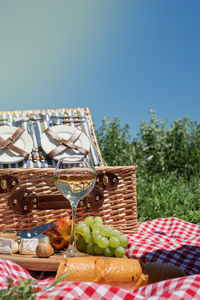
72, 243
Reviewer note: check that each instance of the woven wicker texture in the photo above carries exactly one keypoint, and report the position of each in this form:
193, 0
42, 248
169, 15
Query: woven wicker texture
119, 208
120, 205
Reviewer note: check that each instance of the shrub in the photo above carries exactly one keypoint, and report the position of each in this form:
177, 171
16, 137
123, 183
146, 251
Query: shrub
168, 159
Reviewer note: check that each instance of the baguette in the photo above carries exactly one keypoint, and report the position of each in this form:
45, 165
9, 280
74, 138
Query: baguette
120, 272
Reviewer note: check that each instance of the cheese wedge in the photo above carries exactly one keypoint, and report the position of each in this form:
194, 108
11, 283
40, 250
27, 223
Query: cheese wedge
28, 246
8, 246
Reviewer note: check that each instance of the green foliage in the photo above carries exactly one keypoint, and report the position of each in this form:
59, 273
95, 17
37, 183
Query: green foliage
25, 289
169, 151
168, 159
114, 142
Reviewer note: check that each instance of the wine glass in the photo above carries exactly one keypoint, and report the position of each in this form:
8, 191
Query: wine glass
74, 179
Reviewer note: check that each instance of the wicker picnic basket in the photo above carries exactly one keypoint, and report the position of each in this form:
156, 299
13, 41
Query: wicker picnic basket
28, 195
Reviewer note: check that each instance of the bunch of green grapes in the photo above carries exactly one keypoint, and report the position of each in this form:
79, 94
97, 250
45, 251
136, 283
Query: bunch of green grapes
94, 238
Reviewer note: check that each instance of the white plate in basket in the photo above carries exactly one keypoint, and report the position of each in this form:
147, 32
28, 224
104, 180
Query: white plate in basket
64, 132
24, 142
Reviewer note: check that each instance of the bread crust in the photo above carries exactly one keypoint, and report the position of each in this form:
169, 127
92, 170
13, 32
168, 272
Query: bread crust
120, 272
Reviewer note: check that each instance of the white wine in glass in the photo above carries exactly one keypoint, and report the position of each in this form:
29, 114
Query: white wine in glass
74, 179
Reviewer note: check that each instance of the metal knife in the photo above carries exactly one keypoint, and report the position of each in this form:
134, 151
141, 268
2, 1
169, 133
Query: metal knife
34, 232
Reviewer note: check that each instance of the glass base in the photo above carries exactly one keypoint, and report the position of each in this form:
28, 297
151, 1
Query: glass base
73, 253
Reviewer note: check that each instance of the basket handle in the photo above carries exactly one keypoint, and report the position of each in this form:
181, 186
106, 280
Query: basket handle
23, 201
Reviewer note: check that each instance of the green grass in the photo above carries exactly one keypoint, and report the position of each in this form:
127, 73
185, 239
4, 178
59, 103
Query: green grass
174, 196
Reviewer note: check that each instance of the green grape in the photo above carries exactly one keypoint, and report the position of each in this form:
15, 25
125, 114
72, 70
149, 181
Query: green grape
90, 248
123, 241
116, 233
98, 220
119, 251
98, 250
106, 230
108, 227
102, 242
81, 244
96, 238
110, 230
114, 242
109, 251
83, 229
96, 226
89, 221
88, 238
95, 231
78, 226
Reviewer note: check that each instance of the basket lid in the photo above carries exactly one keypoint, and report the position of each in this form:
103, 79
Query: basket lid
35, 122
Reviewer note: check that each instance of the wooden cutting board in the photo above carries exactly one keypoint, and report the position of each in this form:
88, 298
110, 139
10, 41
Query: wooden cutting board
35, 263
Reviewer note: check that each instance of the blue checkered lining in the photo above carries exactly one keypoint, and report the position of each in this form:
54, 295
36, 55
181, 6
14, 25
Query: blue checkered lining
42, 120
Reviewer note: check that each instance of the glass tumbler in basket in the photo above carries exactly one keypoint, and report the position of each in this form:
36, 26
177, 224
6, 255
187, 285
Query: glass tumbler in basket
74, 179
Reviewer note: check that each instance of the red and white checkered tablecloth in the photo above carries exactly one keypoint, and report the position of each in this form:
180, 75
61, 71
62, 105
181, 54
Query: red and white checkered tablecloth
165, 240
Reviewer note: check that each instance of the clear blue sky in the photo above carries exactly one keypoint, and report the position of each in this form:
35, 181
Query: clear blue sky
117, 57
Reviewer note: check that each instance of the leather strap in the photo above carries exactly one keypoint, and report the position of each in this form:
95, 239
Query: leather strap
11, 139
23, 201
8, 143
56, 151
63, 144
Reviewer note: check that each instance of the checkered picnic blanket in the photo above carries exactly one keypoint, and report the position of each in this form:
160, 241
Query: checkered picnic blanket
164, 240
